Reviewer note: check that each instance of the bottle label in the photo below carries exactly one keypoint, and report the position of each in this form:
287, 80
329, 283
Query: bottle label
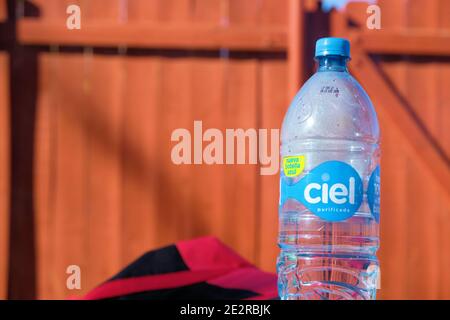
293, 166
373, 193
333, 191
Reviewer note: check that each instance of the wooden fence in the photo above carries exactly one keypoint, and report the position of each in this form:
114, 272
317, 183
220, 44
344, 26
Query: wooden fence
407, 79
88, 178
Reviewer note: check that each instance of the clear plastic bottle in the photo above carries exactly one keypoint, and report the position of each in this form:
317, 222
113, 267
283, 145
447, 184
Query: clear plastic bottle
329, 185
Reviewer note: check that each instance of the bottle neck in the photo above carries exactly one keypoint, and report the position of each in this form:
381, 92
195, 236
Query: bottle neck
332, 63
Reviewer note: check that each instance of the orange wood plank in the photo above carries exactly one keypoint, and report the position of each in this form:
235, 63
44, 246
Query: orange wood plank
176, 10
208, 103
259, 12
4, 174
241, 221
443, 223
411, 42
444, 125
140, 154
70, 217
208, 11
144, 10
274, 104
394, 246
394, 243
55, 10
104, 90
273, 12
198, 193
443, 81
423, 229
240, 12
295, 46
45, 174
423, 233
155, 35
103, 11
270, 12
3, 11
176, 199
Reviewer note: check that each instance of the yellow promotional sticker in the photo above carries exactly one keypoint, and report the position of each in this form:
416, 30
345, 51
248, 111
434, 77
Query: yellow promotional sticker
293, 165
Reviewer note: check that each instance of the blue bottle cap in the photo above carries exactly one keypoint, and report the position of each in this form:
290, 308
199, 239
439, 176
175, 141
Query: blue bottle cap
332, 46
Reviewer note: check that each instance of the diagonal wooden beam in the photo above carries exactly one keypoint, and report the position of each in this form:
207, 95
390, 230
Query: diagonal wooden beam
392, 107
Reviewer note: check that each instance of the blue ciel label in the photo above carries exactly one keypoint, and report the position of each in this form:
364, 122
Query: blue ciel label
373, 193
333, 191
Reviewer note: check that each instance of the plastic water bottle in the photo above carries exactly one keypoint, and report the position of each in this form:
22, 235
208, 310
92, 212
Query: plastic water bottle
329, 185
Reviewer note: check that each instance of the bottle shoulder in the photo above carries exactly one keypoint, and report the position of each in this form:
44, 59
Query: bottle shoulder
331, 105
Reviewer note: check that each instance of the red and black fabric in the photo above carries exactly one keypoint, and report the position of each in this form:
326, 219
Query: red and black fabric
202, 268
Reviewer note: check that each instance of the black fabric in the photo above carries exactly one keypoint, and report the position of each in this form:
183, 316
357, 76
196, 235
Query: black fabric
200, 291
164, 260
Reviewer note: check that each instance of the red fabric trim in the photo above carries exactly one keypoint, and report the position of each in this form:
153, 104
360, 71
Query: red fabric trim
251, 279
122, 287
209, 253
